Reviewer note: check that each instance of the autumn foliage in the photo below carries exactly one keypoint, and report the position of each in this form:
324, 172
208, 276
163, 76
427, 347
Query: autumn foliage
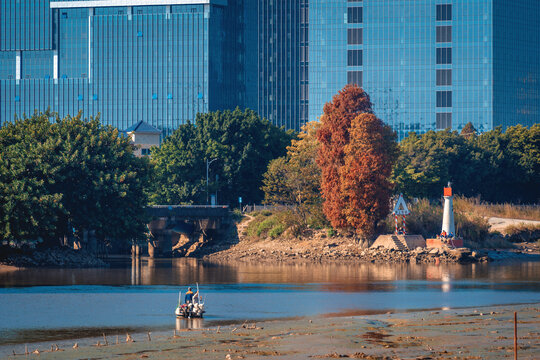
365, 186
356, 155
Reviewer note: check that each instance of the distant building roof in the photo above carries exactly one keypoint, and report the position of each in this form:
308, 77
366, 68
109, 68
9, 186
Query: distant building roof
142, 127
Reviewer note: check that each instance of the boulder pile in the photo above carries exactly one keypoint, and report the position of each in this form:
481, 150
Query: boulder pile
57, 257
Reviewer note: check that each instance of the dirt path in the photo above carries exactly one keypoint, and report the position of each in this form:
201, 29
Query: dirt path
499, 224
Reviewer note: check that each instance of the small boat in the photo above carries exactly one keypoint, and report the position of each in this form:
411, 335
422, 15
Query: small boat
194, 309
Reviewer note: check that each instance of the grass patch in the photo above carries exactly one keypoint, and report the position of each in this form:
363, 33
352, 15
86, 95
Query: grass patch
506, 210
266, 225
276, 231
523, 233
291, 222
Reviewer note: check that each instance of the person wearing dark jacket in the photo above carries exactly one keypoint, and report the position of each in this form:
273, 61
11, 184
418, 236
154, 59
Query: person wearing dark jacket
189, 296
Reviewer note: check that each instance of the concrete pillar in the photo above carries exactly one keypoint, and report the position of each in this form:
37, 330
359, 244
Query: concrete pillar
151, 249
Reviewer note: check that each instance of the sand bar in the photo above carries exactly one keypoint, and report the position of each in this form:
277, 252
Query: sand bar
472, 333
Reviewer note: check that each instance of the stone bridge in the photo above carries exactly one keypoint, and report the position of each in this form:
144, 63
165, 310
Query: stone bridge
179, 230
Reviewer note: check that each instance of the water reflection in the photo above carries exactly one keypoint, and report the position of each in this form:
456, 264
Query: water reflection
346, 277
194, 323
142, 293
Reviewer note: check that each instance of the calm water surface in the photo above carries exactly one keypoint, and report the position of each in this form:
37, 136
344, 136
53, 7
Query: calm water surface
141, 295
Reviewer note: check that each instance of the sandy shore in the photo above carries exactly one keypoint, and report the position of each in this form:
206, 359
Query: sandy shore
476, 333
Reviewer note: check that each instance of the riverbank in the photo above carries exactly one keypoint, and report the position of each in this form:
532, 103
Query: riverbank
55, 257
473, 333
316, 246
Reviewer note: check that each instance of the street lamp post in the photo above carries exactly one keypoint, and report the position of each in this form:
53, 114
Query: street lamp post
207, 167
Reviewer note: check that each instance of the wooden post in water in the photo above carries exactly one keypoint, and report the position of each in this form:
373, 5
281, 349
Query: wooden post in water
515, 336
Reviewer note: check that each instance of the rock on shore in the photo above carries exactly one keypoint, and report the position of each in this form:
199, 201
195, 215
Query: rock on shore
334, 253
57, 257
318, 247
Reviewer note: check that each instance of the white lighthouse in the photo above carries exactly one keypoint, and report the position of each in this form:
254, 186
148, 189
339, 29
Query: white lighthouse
448, 225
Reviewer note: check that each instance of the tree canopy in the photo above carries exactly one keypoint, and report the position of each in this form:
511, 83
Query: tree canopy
241, 142
497, 166
365, 185
333, 136
356, 154
68, 175
295, 179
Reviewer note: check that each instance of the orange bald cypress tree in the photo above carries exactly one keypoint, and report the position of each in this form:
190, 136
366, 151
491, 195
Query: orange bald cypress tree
365, 187
333, 136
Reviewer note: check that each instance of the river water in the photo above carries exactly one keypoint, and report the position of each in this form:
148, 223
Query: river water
140, 295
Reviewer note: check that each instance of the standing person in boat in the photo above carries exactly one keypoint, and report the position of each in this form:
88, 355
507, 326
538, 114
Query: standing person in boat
189, 296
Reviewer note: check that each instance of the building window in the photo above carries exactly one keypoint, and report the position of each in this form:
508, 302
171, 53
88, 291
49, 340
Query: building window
354, 57
94, 97
354, 77
354, 36
139, 33
444, 12
154, 96
354, 15
80, 98
145, 152
444, 121
17, 99
444, 99
64, 15
444, 77
169, 96
444, 55
444, 34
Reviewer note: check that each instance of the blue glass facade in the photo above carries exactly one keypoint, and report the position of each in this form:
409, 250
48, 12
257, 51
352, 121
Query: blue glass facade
161, 64
427, 64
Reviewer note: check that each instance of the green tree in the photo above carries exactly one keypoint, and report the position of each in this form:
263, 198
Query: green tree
243, 144
513, 162
69, 174
102, 180
427, 162
295, 179
497, 166
29, 209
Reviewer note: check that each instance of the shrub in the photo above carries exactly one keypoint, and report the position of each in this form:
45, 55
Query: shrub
425, 219
276, 231
523, 232
237, 215
316, 219
266, 225
253, 226
331, 232
266, 213
471, 227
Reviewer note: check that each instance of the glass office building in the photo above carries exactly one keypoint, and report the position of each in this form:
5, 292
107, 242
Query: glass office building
427, 64
154, 60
